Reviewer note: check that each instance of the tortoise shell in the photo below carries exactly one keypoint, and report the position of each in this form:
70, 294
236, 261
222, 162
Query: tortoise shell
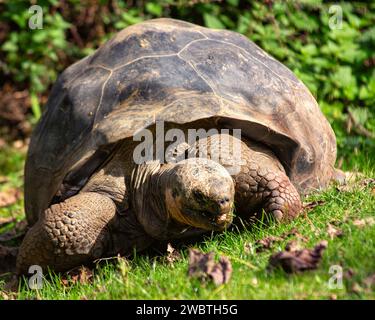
178, 72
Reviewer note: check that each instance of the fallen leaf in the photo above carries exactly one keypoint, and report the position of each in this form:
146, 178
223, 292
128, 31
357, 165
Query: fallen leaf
356, 288
367, 182
203, 266
9, 197
299, 260
221, 271
266, 243
173, 255
353, 185
333, 232
338, 222
248, 248
8, 257
295, 233
293, 245
308, 206
348, 274
82, 275
369, 282
200, 264
352, 177
361, 223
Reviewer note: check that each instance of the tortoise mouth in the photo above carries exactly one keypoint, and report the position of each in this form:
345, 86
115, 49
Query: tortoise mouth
208, 220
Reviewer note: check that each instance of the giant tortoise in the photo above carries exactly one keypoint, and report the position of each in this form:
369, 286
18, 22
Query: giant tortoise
85, 195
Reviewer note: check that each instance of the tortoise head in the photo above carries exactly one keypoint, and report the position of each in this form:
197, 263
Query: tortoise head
200, 193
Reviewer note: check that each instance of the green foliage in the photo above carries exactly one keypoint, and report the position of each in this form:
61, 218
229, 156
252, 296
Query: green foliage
336, 64
32, 55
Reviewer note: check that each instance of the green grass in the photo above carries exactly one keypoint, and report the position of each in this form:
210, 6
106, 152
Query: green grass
146, 277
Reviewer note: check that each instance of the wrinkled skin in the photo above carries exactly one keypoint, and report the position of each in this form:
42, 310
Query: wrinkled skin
125, 205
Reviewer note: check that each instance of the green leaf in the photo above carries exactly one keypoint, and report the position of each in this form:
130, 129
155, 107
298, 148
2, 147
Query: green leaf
9, 46
154, 8
309, 50
234, 3
35, 106
212, 22
130, 19
243, 24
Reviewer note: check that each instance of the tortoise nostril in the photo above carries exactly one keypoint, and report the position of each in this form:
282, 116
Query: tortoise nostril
223, 201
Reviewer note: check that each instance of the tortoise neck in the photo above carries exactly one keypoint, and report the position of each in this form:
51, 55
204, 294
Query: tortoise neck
148, 185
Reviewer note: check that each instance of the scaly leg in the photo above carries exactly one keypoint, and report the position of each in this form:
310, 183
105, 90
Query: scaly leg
69, 234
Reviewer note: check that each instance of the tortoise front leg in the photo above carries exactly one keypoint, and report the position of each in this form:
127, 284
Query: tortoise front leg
69, 234
263, 184
269, 190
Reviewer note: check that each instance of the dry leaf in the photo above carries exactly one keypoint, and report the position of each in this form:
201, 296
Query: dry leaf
356, 288
293, 245
82, 275
369, 282
348, 274
9, 197
295, 233
352, 185
221, 271
308, 206
248, 248
367, 182
266, 243
333, 232
360, 223
299, 260
173, 254
203, 266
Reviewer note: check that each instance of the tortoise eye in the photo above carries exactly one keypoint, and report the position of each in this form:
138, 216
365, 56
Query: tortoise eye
174, 193
199, 196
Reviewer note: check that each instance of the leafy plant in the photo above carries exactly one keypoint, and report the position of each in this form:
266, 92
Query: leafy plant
336, 63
